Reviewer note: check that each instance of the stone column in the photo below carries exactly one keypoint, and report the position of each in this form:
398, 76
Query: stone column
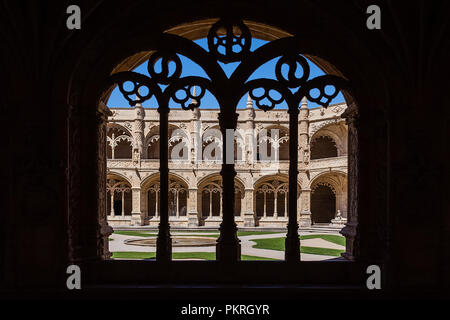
156, 203
138, 133
112, 203
210, 204
196, 141
265, 205
350, 230
228, 248
136, 219
220, 205
292, 241
303, 156
123, 203
250, 149
304, 216
242, 204
164, 240
103, 229
285, 204
303, 134
305, 211
193, 212
275, 204
113, 145
249, 215
177, 208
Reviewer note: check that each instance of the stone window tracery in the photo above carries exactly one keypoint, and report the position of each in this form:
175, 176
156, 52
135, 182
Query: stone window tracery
119, 143
177, 199
272, 199
273, 144
289, 87
118, 192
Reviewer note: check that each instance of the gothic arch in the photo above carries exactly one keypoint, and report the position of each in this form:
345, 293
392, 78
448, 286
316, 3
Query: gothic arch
144, 47
119, 142
336, 182
209, 200
271, 197
338, 132
117, 125
155, 177
118, 192
178, 197
281, 145
113, 174
328, 176
151, 142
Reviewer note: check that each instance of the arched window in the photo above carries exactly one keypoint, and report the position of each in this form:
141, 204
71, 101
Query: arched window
210, 193
289, 87
119, 197
119, 143
323, 147
273, 144
178, 197
272, 198
177, 143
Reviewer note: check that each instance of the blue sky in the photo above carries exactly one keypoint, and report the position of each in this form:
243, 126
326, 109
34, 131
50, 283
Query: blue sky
208, 101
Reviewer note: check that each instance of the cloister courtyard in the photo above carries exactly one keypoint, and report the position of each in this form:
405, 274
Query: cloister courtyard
200, 244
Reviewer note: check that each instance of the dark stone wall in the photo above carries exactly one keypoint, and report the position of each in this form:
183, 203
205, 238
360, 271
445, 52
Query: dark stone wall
399, 81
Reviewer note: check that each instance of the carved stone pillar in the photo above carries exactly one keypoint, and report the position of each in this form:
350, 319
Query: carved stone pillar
249, 215
138, 133
193, 211
305, 211
292, 242
164, 241
350, 230
303, 132
196, 141
228, 245
104, 230
136, 219
250, 148
111, 211
265, 205
275, 204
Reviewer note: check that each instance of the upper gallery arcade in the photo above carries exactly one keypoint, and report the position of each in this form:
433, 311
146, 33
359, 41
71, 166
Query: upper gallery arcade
195, 183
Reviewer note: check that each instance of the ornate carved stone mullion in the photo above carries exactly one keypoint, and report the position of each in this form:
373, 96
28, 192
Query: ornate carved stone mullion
350, 231
74, 183
292, 242
104, 230
164, 241
228, 244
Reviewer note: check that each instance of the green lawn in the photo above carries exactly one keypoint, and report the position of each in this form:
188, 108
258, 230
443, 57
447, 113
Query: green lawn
340, 240
278, 244
177, 255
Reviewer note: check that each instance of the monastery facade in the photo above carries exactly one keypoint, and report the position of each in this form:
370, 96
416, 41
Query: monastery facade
261, 155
